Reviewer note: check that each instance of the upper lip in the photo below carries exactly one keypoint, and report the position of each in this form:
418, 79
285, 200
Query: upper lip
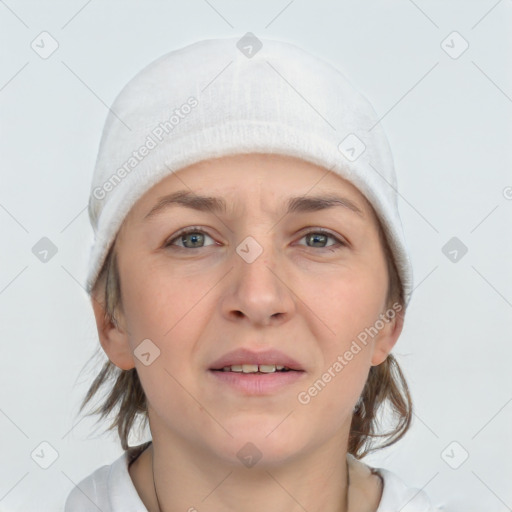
247, 356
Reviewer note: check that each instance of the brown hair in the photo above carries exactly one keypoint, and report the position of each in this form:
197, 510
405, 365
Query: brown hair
385, 385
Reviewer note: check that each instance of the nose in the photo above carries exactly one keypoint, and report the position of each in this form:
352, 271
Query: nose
258, 291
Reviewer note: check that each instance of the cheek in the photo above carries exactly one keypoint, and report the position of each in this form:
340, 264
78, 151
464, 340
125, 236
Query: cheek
157, 302
169, 311
352, 301
160, 309
349, 306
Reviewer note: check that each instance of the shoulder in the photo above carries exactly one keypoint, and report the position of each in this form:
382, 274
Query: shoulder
394, 495
397, 495
91, 493
109, 489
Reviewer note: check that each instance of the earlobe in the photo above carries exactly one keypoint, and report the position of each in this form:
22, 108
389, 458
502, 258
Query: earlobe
113, 337
387, 338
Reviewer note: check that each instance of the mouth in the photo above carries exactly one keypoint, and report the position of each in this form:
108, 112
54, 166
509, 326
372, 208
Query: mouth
255, 368
244, 360
253, 373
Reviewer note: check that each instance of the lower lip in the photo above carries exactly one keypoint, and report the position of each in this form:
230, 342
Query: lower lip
257, 383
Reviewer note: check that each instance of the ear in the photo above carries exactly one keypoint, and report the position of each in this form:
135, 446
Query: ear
387, 338
113, 338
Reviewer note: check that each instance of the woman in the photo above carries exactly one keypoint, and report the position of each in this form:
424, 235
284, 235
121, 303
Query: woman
249, 279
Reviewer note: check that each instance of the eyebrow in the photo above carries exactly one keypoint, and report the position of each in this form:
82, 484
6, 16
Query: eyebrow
298, 204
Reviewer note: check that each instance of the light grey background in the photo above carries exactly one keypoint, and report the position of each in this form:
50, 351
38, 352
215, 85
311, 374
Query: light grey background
449, 124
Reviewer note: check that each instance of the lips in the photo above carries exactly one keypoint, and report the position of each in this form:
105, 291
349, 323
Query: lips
244, 359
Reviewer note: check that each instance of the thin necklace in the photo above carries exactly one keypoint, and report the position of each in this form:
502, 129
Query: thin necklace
154, 483
160, 508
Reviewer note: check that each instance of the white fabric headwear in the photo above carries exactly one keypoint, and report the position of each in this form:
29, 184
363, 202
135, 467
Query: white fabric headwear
239, 95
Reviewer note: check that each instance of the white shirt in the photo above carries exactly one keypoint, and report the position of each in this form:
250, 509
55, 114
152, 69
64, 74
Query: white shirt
111, 489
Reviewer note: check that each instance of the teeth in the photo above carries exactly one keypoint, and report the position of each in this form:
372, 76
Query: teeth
249, 368
254, 368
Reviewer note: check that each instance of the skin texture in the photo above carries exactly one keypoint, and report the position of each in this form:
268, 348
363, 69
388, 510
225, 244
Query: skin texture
310, 299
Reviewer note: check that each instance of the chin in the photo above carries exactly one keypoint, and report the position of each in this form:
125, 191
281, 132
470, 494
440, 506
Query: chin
265, 442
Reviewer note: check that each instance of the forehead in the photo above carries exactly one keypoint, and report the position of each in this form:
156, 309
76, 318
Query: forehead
270, 182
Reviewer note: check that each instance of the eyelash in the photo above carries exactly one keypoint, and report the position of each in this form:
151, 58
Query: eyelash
340, 243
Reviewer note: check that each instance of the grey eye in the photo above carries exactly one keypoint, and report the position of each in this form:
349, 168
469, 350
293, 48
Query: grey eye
192, 239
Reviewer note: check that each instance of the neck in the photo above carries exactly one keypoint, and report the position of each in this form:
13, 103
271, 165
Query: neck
188, 480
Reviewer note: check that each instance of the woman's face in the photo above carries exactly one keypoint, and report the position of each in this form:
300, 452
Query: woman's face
273, 272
